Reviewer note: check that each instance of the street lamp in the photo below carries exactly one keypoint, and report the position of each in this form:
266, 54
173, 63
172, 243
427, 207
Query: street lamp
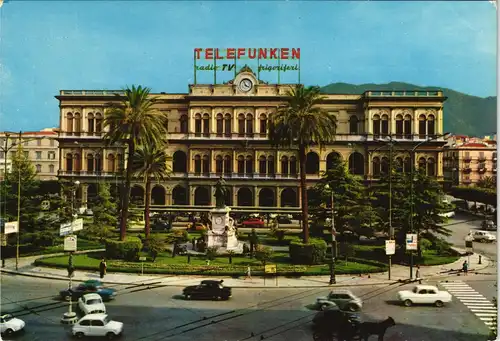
70, 316
334, 241
412, 180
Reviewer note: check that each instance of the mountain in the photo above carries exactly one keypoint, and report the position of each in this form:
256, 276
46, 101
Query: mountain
463, 114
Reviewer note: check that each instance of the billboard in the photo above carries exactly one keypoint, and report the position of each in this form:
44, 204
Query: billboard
411, 241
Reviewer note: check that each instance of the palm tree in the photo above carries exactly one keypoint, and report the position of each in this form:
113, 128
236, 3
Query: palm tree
133, 121
150, 162
487, 182
302, 123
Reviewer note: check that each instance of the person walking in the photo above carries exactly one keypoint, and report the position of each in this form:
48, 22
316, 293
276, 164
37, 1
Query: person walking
465, 267
249, 273
102, 267
417, 275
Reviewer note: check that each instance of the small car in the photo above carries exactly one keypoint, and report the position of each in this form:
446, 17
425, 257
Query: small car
97, 325
91, 304
253, 222
424, 294
197, 227
87, 287
283, 219
344, 299
10, 324
208, 289
488, 225
483, 236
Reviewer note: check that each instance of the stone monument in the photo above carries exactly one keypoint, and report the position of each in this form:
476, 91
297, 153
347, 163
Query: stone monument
222, 233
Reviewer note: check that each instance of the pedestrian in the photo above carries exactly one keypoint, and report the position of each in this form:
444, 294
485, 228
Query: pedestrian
465, 267
417, 275
102, 267
208, 262
249, 273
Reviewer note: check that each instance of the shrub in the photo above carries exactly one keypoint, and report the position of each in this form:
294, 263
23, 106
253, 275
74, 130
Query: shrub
312, 253
442, 247
263, 253
425, 244
278, 233
128, 249
212, 252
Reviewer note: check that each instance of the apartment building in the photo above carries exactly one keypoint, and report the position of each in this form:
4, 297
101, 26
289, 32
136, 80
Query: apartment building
40, 147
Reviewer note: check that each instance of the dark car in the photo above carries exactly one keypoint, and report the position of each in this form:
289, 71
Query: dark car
488, 225
283, 219
87, 287
208, 289
160, 225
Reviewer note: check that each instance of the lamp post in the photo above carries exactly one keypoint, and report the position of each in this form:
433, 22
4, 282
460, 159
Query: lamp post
412, 190
334, 241
70, 316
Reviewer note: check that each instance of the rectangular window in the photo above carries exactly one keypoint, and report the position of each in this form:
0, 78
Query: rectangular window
2, 155
38, 155
39, 142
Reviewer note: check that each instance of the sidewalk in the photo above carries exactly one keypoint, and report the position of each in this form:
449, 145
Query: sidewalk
399, 273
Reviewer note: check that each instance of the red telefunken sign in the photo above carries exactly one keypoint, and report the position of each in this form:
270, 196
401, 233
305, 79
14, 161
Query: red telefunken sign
247, 53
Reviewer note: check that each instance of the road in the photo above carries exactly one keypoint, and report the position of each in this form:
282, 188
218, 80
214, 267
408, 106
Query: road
461, 225
275, 314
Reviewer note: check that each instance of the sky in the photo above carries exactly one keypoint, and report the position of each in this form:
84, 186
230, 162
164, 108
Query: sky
48, 46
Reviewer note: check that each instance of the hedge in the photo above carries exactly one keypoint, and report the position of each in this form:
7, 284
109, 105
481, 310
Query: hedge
312, 253
127, 249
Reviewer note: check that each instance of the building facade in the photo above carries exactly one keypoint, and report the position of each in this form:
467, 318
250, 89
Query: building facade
468, 160
40, 147
221, 130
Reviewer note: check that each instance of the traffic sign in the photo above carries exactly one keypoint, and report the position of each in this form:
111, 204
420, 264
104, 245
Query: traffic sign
142, 259
70, 243
411, 241
68, 228
390, 247
270, 268
11, 227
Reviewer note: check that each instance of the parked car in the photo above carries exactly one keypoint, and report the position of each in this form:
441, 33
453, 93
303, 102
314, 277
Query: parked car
489, 225
424, 294
87, 287
10, 324
283, 219
91, 304
482, 236
97, 325
253, 222
449, 214
344, 299
197, 227
159, 224
208, 289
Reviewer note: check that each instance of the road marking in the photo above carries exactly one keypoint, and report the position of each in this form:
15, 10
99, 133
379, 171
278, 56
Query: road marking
485, 314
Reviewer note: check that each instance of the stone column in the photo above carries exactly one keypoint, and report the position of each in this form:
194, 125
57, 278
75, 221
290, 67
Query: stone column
235, 196
84, 195
278, 196
168, 196
255, 196
392, 128
439, 164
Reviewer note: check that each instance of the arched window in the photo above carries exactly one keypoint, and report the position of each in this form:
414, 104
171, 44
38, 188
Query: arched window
77, 123
399, 164
263, 125
77, 162
262, 165
421, 163
206, 164
98, 123
431, 127
179, 162
385, 125
422, 123
241, 125
197, 125
51, 168
407, 165
284, 165
111, 163
197, 164
227, 125
228, 165
376, 126
431, 167
206, 125
90, 163
249, 127
407, 127
353, 124
241, 165
312, 163
249, 165
69, 122
399, 126
270, 165
98, 162
184, 124
332, 159
376, 167
220, 125
219, 166
384, 166
293, 165
69, 162
90, 119
38, 168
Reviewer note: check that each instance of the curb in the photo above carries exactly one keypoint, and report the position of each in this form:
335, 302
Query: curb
383, 282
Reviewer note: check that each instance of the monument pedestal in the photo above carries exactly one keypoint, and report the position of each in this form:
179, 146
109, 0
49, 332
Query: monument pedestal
223, 233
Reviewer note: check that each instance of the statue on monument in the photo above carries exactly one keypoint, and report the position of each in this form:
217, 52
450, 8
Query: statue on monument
220, 193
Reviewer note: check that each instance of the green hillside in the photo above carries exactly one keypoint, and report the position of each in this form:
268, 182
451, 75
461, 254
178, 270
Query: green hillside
463, 114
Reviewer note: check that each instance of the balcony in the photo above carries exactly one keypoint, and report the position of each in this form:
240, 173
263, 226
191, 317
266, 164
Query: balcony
91, 92
466, 169
481, 158
467, 159
494, 170
482, 170
403, 94
73, 135
88, 173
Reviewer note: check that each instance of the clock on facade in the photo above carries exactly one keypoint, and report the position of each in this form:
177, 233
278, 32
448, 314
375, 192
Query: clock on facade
246, 85
218, 220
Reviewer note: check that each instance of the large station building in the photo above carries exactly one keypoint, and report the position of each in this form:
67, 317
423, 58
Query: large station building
222, 129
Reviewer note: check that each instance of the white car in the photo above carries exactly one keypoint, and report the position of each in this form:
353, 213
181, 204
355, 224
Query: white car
449, 214
483, 236
97, 325
91, 304
9, 324
424, 294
